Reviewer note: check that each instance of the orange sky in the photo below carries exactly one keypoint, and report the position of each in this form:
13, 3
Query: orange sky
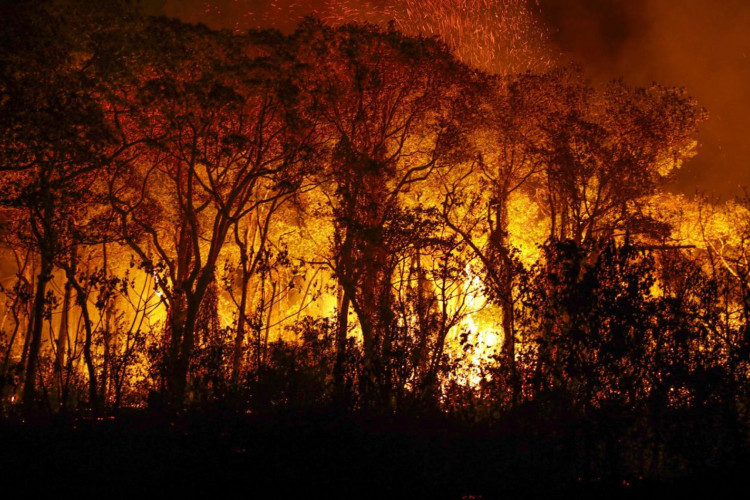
703, 45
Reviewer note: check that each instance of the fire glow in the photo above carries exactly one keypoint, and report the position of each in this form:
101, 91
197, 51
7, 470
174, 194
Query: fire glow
402, 214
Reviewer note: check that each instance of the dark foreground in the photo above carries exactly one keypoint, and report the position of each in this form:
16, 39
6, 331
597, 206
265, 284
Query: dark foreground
294, 455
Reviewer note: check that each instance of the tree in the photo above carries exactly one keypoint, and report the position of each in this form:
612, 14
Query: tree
385, 103
606, 150
54, 136
504, 132
218, 138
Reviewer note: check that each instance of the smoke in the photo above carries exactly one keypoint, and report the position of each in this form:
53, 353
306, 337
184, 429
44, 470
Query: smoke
702, 45
594, 32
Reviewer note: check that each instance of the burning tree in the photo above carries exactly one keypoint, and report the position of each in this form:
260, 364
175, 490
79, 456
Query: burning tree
606, 151
55, 142
219, 138
385, 104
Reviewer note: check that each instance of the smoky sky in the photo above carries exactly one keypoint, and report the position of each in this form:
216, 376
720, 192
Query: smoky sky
702, 45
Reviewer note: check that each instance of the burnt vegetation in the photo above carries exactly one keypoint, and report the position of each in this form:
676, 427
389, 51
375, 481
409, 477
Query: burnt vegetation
343, 250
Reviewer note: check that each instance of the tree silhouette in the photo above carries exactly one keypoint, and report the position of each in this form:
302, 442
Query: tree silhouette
218, 139
385, 103
55, 136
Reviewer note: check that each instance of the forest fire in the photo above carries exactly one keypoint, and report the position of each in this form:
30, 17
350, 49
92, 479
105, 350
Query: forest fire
388, 210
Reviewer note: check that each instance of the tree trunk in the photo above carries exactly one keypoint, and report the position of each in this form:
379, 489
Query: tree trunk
239, 338
88, 355
499, 239
375, 314
339, 390
63, 332
62, 341
184, 343
106, 335
36, 322
9, 350
183, 347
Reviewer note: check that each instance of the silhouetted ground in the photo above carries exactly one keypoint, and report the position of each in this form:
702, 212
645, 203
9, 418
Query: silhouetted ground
304, 455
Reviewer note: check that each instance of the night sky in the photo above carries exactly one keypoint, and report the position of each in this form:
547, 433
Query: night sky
702, 45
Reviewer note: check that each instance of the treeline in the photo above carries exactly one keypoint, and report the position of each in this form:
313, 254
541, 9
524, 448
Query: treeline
349, 217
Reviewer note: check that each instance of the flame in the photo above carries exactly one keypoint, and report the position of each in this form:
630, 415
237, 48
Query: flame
482, 335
